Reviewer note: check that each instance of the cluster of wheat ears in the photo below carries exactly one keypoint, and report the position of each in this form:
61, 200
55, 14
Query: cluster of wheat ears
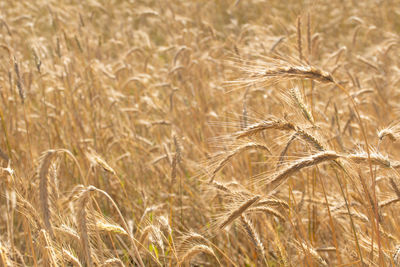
199, 133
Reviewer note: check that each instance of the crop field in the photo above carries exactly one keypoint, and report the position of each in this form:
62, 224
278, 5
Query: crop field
199, 133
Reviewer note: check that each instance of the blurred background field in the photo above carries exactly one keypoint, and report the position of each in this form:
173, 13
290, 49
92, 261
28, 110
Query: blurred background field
199, 133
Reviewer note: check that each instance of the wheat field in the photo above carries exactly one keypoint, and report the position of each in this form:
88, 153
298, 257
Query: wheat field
199, 133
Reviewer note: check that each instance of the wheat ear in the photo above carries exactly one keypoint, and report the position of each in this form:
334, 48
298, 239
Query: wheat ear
315, 159
314, 254
299, 101
284, 150
273, 202
269, 211
236, 213
299, 44
137, 256
249, 228
71, 258
302, 72
376, 159
388, 202
45, 161
82, 225
47, 247
264, 125
236, 151
283, 126
395, 187
396, 256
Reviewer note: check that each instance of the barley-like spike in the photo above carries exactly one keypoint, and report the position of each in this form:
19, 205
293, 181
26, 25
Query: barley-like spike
221, 187
285, 149
265, 125
82, 225
315, 254
310, 139
315, 159
239, 149
299, 101
43, 171
396, 256
376, 159
269, 211
304, 72
48, 248
388, 202
173, 169
19, 81
299, 45
236, 213
249, 228
395, 187
71, 258
146, 231
273, 202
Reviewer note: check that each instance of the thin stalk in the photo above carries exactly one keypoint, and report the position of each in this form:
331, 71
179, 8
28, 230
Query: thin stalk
330, 220
351, 218
3, 125
381, 261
